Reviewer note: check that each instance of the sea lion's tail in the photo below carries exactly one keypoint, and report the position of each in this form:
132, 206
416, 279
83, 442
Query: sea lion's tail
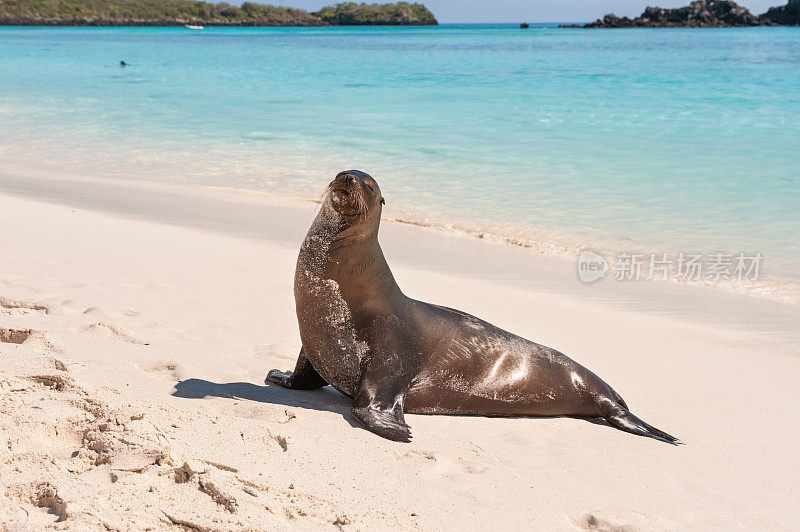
621, 418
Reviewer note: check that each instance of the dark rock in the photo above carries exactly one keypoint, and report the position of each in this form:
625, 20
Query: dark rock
788, 15
524, 25
698, 14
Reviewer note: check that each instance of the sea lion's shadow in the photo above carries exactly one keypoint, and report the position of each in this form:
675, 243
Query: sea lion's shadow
326, 399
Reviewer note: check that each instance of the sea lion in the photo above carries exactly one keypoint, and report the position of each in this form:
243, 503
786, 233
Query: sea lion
393, 354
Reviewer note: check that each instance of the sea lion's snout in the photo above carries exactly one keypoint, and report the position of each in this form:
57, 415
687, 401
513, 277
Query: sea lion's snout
345, 192
347, 180
344, 184
354, 193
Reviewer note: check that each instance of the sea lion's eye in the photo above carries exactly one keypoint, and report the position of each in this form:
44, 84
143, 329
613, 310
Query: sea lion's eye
369, 187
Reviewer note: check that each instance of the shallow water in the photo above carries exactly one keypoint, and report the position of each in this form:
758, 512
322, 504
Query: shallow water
649, 140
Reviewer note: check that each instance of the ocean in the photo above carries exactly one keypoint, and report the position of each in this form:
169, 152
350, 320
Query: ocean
649, 140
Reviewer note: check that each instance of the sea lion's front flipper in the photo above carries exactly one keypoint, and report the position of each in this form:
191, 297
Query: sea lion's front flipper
385, 379
304, 376
381, 417
378, 403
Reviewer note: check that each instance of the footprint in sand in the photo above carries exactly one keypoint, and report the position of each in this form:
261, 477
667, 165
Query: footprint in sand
593, 521
172, 368
470, 462
110, 332
217, 492
34, 339
17, 307
15, 336
45, 496
55, 382
272, 351
104, 314
25, 336
417, 455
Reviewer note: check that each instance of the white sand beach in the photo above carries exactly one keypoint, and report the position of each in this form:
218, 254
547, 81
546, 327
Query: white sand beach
137, 325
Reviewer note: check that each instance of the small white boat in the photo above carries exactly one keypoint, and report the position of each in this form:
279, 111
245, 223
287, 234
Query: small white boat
190, 27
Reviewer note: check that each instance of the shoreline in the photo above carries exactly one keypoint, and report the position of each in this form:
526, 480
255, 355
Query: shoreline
423, 248
152, 317
550, 243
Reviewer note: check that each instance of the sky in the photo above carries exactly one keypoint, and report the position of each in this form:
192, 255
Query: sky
530, 10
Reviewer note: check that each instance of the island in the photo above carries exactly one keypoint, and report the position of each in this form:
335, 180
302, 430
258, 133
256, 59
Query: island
197, 13
702, 14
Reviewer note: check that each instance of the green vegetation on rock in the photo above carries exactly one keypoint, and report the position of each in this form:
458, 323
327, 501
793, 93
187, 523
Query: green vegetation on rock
192, 12
399, 14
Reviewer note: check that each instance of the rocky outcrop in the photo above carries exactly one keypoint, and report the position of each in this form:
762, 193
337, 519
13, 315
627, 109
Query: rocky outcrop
399, 14
702, 14
788, 15
698, 14
190, 12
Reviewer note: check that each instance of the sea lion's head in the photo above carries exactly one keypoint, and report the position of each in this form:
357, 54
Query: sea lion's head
356, 196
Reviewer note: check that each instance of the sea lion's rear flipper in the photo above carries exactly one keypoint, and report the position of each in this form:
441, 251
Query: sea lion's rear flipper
304, 376
622, 419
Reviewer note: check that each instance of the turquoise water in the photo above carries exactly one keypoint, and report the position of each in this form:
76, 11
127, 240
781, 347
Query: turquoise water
653, 140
